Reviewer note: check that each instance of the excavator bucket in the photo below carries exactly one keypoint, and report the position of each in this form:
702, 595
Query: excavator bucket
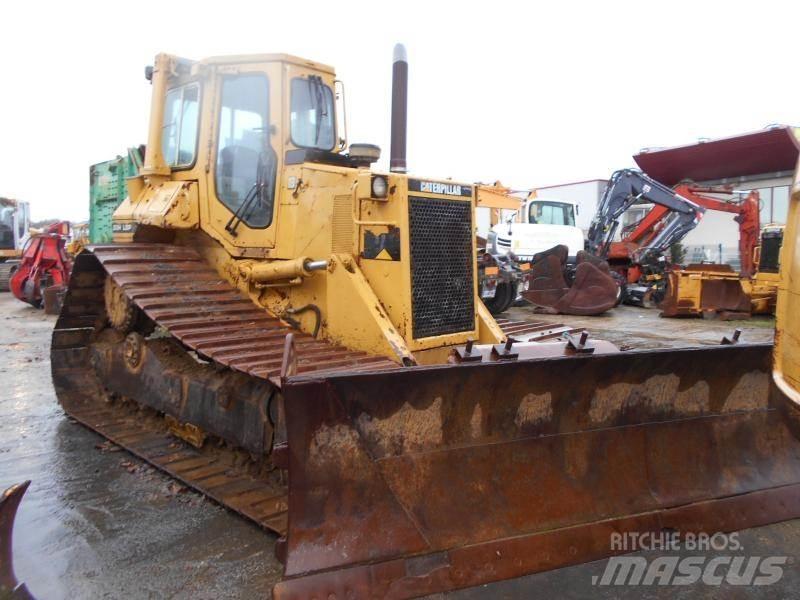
477, 472
593, 291
10, 588
712, 291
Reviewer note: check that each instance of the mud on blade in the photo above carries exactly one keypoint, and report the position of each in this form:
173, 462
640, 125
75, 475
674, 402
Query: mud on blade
413, 482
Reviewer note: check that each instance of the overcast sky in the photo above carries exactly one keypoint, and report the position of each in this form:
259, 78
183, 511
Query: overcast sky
528, 93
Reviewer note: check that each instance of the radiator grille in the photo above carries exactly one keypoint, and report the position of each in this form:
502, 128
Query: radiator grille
342, 235
442, 292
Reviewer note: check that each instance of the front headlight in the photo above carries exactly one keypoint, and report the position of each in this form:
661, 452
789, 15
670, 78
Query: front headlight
380, 187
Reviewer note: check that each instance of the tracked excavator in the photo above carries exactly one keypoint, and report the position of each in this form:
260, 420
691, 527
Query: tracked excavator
611, 271
638, 257
300, 337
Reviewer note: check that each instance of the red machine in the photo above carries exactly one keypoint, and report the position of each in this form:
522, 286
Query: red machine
746, 211
747, 216
44, 268
638, 257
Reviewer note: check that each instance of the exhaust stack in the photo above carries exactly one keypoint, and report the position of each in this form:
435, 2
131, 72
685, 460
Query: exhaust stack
397, 156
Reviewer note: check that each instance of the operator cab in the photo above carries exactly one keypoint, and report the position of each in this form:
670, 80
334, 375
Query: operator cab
551, 212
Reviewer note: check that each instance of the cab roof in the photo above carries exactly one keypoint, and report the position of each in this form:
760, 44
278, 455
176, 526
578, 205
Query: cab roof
260, 58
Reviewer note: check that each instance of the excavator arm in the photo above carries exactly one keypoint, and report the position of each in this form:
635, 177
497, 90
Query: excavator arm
628, 187
746, 212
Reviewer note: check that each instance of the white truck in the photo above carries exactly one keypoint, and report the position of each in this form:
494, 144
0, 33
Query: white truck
538, 225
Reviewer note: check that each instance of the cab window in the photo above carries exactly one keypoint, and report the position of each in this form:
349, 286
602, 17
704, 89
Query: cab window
312, 121
246, 162
179, 135
551, 213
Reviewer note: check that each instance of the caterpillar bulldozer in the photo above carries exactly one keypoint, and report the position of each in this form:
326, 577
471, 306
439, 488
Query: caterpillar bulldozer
300, 337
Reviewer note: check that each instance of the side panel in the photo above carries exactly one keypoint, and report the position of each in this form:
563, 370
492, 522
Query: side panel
787, 327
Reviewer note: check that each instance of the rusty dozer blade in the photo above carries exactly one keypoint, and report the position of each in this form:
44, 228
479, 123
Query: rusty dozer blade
593, 291
10, 588
711, 291
427, 479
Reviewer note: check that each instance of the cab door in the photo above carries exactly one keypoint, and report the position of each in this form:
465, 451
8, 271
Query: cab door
244, 158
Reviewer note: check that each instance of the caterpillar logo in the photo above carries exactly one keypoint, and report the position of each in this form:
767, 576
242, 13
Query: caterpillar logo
434, 187
439, 187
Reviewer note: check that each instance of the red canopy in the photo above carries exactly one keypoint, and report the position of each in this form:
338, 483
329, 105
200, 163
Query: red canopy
766, 151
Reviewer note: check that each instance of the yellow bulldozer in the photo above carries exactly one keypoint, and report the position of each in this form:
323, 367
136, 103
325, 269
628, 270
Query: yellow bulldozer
300, 337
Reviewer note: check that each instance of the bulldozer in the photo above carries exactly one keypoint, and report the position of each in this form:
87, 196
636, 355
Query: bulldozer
300, 337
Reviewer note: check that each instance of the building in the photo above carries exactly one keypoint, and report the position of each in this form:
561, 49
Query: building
762, 160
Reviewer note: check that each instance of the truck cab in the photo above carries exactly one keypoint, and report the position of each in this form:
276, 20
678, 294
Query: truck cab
538, 225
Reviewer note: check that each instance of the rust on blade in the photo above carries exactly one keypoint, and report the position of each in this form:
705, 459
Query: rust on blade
558, 452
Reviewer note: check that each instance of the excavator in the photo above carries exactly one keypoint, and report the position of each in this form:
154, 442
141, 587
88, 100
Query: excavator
299, 336
43, 270
716, 290
609, 271
638, 258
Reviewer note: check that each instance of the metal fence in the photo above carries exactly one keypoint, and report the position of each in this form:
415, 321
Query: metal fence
713, 253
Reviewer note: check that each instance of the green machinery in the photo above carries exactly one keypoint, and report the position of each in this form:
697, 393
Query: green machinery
107, 190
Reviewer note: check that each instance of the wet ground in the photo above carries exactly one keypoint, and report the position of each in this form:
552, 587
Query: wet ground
98, 523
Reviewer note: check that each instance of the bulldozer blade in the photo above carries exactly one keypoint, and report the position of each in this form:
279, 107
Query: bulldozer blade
704, 292
427, 479
9, 502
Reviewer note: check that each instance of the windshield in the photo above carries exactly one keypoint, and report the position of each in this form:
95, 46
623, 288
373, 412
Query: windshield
551, 213
312, 113
6, 227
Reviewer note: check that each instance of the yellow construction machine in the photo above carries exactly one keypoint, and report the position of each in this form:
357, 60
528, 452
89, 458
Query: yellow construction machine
14, 226
301, 338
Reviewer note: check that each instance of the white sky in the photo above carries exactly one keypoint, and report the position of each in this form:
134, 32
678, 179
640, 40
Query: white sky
528, 93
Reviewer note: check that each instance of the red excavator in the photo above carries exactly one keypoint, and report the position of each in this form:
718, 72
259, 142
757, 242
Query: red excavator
43, 272
639, 256
717, 290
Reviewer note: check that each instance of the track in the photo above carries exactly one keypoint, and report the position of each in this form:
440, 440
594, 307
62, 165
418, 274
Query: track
5, 275
210, 326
